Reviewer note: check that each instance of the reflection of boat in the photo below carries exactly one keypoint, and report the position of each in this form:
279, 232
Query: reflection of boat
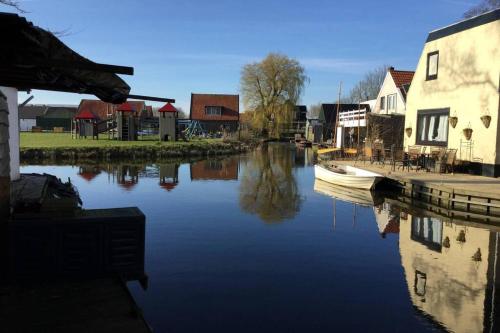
353, 195
346, 175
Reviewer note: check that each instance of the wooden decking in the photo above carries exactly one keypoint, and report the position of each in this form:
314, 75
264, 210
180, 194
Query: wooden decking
468, 196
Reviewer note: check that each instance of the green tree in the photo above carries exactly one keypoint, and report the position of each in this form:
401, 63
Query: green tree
268, 187
271, 89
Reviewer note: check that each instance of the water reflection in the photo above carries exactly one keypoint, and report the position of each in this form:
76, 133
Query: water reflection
452, 272
451, 268
268, 187
215, 169
210, 257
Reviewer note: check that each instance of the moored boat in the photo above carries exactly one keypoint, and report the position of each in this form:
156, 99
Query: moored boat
348, 194
346, 175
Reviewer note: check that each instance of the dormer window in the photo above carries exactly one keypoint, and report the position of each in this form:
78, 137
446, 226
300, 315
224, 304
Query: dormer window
213, 110
432, 65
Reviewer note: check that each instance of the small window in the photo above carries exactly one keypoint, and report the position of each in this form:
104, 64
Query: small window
391, 102
382, 103
432, 127
213, 110
432, 65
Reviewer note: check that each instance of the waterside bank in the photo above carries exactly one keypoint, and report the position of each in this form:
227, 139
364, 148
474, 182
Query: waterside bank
452, 195
53, 147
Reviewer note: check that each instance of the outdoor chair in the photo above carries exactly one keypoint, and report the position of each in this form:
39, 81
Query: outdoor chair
413, 159
367, 153
378, 151
397, 157
437, 156
449, 161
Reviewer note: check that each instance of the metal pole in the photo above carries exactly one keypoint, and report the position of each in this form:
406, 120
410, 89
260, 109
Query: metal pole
4, 158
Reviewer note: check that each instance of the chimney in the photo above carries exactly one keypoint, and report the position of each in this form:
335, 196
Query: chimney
390, 68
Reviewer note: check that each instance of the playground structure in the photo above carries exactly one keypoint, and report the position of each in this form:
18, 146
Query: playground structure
132, 121
168, 123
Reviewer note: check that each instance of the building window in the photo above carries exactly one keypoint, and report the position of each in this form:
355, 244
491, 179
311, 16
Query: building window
432, 65
382, 103
432, 127
213, 110
391, 102
427, 231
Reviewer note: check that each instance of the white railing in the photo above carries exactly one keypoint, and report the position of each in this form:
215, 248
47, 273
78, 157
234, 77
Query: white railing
353, 118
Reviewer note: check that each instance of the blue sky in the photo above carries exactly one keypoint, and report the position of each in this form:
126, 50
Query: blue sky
179, 47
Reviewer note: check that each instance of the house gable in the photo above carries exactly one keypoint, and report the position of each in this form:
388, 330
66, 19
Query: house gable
228, 105
396, 83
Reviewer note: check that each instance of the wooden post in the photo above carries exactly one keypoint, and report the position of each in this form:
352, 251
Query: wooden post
4, 158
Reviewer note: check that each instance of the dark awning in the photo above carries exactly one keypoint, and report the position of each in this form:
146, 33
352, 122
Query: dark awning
33, 58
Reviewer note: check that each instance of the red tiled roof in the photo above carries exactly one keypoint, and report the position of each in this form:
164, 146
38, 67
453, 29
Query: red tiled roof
104, 110
126, 107
168, 186
167, 108
86, 114
230, 105
401, 77
88, 176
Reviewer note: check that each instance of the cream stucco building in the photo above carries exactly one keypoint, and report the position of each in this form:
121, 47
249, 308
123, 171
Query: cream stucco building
445, 282
458, 77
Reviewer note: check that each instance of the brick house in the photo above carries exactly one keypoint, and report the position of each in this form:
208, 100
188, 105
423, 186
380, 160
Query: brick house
103, 110
215, 112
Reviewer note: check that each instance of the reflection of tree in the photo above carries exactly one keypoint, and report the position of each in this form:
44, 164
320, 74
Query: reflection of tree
268, 187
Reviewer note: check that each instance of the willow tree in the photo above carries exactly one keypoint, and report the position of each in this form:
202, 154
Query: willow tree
271, 89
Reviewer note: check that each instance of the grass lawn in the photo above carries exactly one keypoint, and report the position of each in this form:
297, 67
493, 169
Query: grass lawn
64, 140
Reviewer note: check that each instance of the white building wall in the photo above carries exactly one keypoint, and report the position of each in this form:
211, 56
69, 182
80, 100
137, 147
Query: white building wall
25, 125
11, 94
389, 88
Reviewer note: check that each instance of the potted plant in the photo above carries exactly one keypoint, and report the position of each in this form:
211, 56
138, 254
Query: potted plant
453, 121
486, 119
467, 132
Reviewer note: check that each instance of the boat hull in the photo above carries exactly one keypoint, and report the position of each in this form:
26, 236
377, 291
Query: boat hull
367, 180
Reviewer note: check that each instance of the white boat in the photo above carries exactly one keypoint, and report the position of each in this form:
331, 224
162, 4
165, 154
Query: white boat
346, 175
356, 196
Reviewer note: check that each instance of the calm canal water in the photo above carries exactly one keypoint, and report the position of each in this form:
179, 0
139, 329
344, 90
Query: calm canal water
253, 244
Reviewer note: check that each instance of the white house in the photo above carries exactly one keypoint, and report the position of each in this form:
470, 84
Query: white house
28, 114
391, 98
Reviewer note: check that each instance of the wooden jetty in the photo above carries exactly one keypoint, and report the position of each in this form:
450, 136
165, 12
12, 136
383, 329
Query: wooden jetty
467, 196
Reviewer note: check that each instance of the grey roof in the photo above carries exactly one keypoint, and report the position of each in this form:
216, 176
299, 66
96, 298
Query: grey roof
60, 111
31, 111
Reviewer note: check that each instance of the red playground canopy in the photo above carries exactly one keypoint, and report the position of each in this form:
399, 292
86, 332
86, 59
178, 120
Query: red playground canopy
167, 108
125, 107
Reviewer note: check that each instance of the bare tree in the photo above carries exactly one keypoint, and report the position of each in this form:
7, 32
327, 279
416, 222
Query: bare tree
314, 111
14, 4
271, 89
483, 7
181, 113
368, 87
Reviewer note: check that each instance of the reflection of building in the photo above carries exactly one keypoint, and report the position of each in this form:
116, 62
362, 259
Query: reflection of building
169, 176
89, 172
387, 217
127, 176
213, 169
452, 273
